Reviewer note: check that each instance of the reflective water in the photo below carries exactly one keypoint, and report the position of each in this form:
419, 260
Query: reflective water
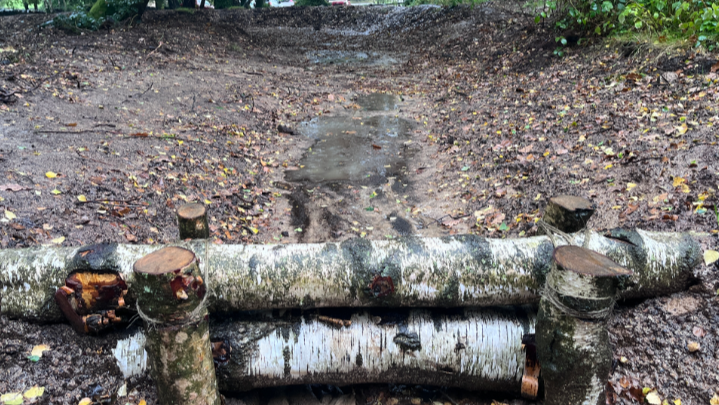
351, 148
378, 102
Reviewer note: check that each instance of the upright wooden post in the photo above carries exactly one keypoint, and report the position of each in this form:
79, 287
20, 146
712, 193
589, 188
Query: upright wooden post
192, 221
170, 299
568, 213
571, 333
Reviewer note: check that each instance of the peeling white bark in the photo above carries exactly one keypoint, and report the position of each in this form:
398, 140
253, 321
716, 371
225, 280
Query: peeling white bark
474, 349
131, 356
426, 272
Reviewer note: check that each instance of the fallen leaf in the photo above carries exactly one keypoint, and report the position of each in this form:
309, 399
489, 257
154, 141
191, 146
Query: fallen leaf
37, 352
82, 198
710, 256
34, 392
142, 402
56, 191
11, 187
9, 215
653, 398
714, 69
50, 175
714, 400
85, 401
140, 135
699, 332
58, 240
630, 186
12, 398
678, 181
693, 347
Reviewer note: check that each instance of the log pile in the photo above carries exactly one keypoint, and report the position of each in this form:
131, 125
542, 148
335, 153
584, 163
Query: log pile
351, 312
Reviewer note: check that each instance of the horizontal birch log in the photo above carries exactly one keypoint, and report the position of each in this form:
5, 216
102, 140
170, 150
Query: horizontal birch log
477, 349
455, 271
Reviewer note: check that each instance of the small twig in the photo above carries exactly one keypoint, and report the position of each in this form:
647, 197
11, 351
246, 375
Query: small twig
106, 200
251, 73
150, 54
82, 131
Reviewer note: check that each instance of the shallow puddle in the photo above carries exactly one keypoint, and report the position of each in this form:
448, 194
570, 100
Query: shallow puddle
378, 102
352, 148
327, 57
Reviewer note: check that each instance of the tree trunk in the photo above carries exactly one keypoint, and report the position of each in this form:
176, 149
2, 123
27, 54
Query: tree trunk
456, 271
467, 348
572, 339
170, 293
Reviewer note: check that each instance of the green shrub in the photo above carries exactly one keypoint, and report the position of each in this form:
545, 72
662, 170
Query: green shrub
219, 4
695, 19
312, 3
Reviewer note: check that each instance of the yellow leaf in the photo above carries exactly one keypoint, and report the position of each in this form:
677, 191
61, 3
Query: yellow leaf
363, 234
56, 191
682, 129
208, 202
58, 240
677, 181
37, 350
537, 197
10, 215
714, 400
609, 166
630, 186
34, 392
142, 402
82, 198
51, 175
85, 401
11, 398
677, 401
685, 189
254, 230
653, 398
546, 153
710, 256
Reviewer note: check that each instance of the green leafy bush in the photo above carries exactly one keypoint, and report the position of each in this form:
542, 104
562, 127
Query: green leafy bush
101, 12
695, 19
312, 3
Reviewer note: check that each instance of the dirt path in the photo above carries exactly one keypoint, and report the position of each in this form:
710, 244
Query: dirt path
395, 121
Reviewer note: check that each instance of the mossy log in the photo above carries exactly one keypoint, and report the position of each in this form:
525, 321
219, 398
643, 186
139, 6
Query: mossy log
170, 294
456, 271
477, 349
571, 334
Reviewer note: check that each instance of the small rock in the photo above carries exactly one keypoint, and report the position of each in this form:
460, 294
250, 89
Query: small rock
693, 347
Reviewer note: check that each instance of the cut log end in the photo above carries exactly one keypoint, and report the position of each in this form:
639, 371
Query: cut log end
588, 263
192, 221
166, 260
568, 213
572, 203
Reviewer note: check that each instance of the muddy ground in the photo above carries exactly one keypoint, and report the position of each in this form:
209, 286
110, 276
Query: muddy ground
392, 121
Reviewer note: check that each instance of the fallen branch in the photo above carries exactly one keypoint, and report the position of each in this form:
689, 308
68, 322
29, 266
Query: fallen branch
469, 348
457, 271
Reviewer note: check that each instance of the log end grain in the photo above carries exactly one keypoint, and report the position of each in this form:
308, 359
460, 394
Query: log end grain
166, 260
588, 263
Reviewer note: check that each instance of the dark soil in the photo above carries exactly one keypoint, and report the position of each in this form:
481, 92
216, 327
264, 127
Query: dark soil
185, 107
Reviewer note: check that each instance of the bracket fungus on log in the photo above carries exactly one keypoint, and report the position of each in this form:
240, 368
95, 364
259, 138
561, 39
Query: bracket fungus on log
170, 299
90, 300
571, 332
